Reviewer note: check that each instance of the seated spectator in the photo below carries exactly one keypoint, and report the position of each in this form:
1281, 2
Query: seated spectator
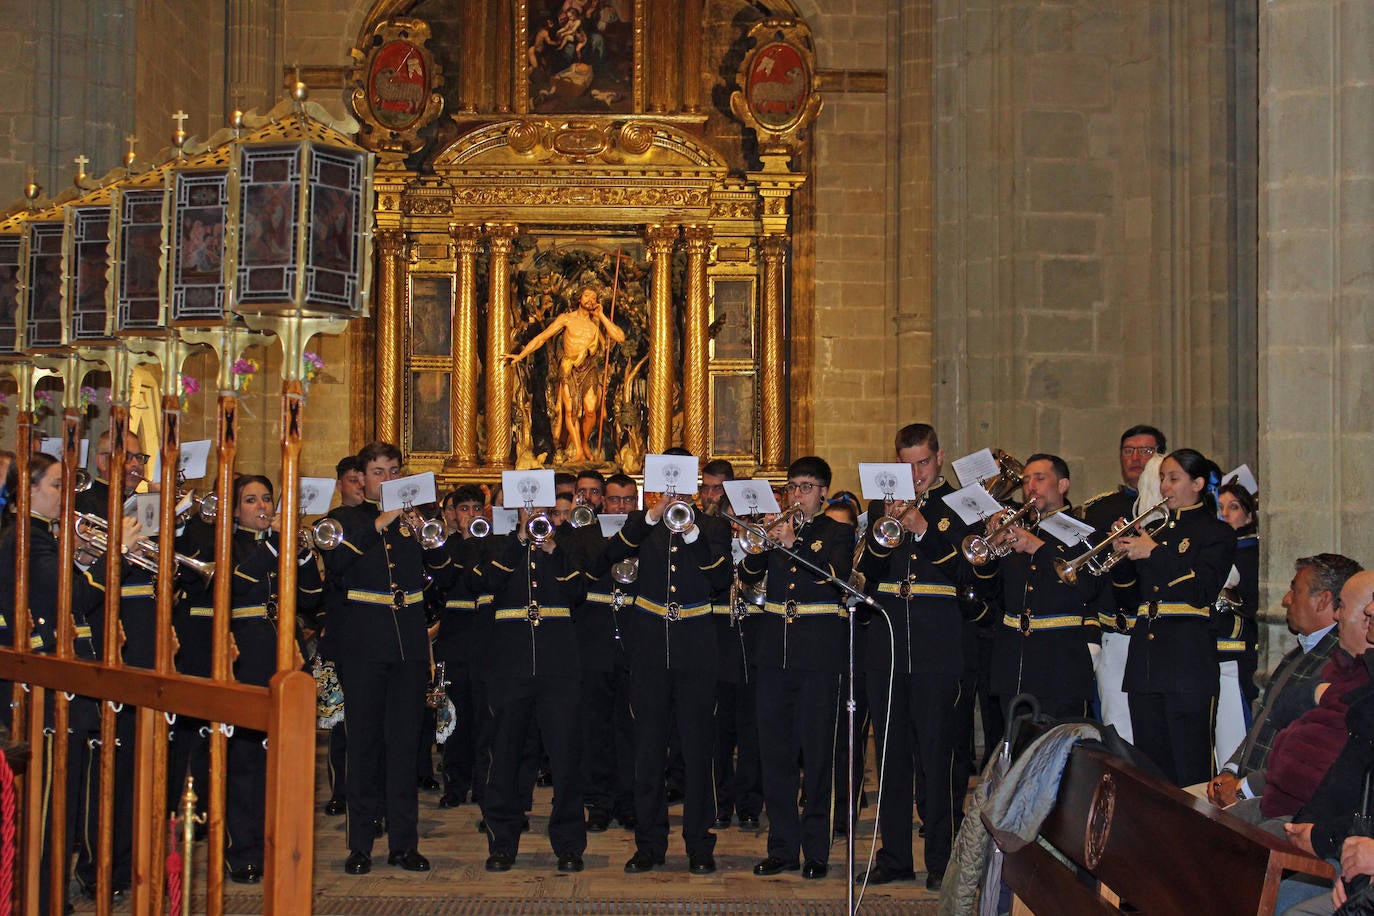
1310, 604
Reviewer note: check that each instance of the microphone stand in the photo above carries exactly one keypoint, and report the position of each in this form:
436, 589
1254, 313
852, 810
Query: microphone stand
772, 543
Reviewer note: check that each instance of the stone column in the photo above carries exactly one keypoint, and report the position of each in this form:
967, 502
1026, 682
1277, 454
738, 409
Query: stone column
463, 382
1316, 286
499, 236
254, 80
391, 293
773, 353
660, 398
696, 420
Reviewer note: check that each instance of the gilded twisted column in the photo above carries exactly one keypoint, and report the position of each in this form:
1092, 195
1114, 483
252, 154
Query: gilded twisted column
499, 237
696, 421
660, 398
462, 408
773, 358
391, 279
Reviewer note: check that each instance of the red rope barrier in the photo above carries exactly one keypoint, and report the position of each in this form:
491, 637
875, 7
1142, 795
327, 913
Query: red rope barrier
174, 870
7, 828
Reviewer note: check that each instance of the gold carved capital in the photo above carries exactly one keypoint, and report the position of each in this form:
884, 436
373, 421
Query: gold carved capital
465, 237
390, 243
697, 238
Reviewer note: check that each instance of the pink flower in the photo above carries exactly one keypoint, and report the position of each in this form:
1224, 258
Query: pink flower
190, 385
245, 366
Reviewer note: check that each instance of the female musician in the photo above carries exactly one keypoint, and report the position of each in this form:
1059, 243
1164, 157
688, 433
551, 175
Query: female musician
1237, 630
1171, 666
254, 626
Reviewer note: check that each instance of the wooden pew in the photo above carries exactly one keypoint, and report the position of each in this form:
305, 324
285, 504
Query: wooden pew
1143, 845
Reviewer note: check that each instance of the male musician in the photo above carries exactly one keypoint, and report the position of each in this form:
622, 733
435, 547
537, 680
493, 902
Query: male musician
673, 662
739, 779
591, 489
1312, 605
535, 676
802, 649
382, 651
349, 484
138, 624
1041, 645
915, 660
457, 643
607, 727
1139, 444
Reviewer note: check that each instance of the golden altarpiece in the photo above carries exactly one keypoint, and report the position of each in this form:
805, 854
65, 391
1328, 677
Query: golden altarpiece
583, 229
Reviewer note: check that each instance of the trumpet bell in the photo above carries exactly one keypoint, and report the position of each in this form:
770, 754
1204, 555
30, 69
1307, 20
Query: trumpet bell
1008, 478
626, 572
209, 508
679, 516
327, 534
431, 535
84, 480
479, 527
888, 531
582, 516
539, 528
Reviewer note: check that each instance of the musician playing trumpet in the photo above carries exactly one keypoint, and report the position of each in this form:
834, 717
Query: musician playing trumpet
801, 653
1176, 574
1048, 632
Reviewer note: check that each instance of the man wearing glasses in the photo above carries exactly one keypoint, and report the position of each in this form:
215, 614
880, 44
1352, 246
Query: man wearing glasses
138, 620
802, 650
1138, 445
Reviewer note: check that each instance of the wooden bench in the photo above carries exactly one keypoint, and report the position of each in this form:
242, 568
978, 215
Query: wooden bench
1143, 845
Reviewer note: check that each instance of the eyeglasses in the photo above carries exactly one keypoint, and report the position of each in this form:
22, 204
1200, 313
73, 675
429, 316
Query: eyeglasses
1144, 451
620, 499
803, 487
138, 457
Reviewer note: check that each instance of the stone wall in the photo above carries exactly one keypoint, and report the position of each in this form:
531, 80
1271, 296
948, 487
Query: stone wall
1316, 282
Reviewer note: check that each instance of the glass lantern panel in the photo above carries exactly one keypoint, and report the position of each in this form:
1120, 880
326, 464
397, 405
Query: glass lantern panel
201, 201
91, 273
269, 184
45, 284
333, 274
140, 252
9, 295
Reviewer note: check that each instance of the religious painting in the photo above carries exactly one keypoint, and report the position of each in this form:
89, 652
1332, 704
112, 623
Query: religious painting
732, 319
431, 316
398, 84
198, 246
580, 56
91, 250
778, 84
44, 304
732, 414
579, 351
140, 260
429, 416
337, 181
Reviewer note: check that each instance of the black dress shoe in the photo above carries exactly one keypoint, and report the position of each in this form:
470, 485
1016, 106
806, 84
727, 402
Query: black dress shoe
642, 861
335, 807
815, 870
597, 821
248, 874
774, 866
358, 863
410, 860
570, 862
934, 879
722, 821
500, 861
450, 800
921, 831
749, 822
701, 865
429, 784
881, 874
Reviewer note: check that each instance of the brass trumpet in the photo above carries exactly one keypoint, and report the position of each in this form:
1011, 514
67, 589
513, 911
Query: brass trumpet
979, 549
143, 552
1094, 560
626, 572
679, 515
539, 528
479, 527
326, 534
757, 539
582, 514
888, 530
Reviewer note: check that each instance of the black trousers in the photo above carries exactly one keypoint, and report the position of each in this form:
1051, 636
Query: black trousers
383, 704
608, 754
660, 698
338, 760
797, 718
83, 791
189, 753
459, 751
1175, 731
915, 744
245, 798
739, 774
552, 702
861, 722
